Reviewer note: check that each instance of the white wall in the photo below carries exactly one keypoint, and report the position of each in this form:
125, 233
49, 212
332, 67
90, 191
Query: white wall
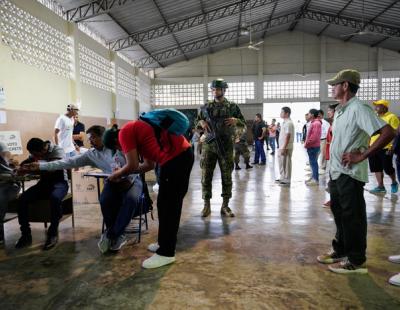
32, 89
281, 57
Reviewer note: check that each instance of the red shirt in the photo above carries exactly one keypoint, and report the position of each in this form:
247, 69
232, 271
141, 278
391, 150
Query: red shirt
140, 135
314, 134
328, 143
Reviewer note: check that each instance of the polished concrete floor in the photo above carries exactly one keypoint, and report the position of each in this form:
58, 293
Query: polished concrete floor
264, 258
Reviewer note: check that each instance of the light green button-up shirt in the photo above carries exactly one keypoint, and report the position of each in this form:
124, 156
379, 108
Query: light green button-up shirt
352, 127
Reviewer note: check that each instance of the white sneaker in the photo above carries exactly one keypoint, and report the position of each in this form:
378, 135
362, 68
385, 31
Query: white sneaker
312, 183
307, 168
321, 171
153, 247
155, 188
395, 280
394, 259
157, 261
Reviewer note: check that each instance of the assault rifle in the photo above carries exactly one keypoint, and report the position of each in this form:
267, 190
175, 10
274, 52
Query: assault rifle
212, 135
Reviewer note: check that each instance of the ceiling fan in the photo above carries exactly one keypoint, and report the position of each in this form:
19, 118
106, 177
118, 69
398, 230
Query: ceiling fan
247, 30
364, 30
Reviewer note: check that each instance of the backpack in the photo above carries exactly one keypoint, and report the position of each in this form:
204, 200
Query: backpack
172, 120
145, 201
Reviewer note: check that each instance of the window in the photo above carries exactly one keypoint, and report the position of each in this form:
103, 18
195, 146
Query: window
237, 92
178, 94
95, 70
368, 89
126, 84
34, 42
391, 88
291, 89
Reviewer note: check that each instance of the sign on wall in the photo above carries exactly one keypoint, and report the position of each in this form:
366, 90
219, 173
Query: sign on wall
13, 141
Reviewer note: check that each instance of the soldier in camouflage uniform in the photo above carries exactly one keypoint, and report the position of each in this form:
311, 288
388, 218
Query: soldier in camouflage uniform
218, 118
241, 148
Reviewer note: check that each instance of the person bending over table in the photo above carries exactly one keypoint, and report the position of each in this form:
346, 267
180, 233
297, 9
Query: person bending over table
174, 155
51, 185
118, 199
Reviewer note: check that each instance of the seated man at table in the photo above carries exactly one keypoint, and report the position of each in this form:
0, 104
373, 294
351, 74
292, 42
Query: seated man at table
9, 189
51, 185
118, 199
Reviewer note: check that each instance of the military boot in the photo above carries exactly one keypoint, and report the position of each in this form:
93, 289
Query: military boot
248, 166
237, 167
207, 209
225, 210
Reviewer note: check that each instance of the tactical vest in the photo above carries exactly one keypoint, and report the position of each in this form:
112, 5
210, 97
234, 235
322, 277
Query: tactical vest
218, 112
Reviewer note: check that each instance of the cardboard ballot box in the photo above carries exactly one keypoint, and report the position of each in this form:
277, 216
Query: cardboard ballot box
84, 189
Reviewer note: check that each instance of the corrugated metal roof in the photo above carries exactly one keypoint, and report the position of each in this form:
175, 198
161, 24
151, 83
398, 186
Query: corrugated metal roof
155, 18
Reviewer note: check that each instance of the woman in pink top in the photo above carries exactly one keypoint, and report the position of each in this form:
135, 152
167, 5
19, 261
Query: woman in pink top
312, 144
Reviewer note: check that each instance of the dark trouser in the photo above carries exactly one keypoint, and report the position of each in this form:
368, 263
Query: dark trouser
259, 151
55, 192
348, 208
118, 206
398, 167
174, 183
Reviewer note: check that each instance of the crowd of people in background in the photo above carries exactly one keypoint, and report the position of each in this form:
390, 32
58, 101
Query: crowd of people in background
338, 147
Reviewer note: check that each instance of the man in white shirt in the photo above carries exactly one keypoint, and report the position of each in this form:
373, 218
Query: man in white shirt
324, 132
286, 139
63, 130
299, 131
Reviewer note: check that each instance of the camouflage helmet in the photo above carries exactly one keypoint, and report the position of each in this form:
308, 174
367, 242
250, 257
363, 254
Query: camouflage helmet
219, 83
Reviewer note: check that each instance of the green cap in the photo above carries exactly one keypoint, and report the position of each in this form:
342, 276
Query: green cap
346, 75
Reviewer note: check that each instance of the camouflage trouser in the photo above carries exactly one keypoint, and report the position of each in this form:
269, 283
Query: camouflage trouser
208, 161
241, 149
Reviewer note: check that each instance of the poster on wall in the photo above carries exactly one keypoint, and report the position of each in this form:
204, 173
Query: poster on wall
2, 97
13, 141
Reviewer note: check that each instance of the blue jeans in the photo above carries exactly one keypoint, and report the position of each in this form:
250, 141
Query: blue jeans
259, 152
55, 192
299, 136
271, 141
118, 206
313, 157
398, 167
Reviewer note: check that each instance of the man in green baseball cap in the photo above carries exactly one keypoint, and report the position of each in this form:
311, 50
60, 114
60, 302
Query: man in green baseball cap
353, 125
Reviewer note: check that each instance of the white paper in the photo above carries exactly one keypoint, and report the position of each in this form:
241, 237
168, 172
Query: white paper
3, 117
13, 141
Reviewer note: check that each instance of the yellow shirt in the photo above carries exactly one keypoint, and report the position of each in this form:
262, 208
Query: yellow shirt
393, 121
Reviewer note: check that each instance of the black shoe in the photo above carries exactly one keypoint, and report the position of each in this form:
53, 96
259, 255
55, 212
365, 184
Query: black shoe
237, 167
254, 163
24, 241
51, 241
272, 153
248, 166
262, 164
